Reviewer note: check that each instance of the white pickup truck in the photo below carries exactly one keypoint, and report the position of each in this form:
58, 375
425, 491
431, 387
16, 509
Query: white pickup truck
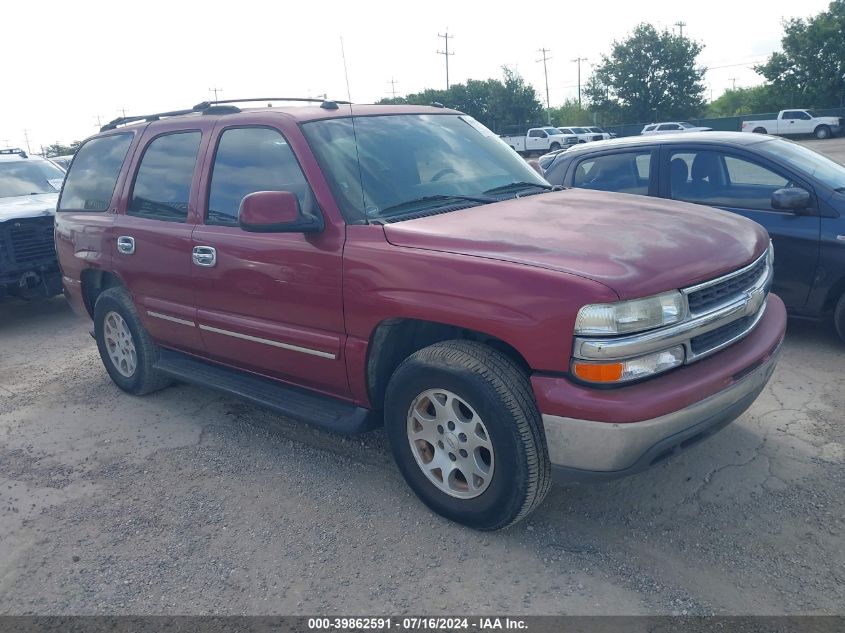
796, 122
540, 140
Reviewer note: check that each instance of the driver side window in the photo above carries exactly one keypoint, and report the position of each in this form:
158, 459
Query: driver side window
721, 180
251, 159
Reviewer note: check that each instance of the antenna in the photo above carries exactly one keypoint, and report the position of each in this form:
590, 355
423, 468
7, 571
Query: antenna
345, 71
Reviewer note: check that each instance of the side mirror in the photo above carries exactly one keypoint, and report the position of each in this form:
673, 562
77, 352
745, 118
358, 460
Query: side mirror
791, 199
275, 212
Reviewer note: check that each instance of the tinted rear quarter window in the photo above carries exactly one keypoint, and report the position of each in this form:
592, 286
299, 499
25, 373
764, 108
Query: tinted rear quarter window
89, 185
163, 185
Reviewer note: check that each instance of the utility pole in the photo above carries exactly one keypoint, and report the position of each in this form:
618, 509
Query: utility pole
546, 73
123, 111
99, 124
393, 83
446, 53
733, 79
215, 91
26, 138
578, 61
681, 24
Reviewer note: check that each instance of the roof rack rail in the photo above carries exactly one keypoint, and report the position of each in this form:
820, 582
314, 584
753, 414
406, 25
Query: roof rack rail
124, 120
207, 104
223, 106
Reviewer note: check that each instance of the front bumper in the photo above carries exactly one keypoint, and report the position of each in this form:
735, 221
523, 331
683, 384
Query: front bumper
632, 428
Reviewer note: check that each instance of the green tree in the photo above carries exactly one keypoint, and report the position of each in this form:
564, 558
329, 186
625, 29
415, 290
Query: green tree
758, 99
650, 75
495, 103
570, 113
57, 149
809, 71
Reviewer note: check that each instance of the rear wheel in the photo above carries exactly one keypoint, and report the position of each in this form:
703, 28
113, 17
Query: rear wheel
760, 130
466, 434
839, 317
554, 147
126, 349
823, 132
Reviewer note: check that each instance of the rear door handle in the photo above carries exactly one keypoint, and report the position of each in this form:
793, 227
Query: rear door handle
126, 244
205, 256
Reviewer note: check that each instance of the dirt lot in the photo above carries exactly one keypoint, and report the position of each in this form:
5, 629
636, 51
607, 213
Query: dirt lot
189, 502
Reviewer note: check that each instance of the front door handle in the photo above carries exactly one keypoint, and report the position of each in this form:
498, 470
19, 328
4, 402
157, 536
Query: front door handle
205, 256
126, 244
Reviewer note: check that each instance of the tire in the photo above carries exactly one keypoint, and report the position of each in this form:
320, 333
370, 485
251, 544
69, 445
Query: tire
491, 390
822, 132
760, 130
115, 312
554, 147
839, 318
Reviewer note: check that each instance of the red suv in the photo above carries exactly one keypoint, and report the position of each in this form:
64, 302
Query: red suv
353, 266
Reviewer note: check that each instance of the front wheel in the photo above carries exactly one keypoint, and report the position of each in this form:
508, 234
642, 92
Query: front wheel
823, 132
466, 434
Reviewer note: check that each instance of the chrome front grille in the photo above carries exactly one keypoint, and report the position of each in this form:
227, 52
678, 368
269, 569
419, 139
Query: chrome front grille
719, 312
716, 292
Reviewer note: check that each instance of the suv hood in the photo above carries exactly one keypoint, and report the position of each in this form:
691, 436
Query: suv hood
637, 246
34, 206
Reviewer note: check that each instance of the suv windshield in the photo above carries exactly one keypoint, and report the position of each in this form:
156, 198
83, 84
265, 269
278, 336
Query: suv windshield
388, 164
29, 177
812, 163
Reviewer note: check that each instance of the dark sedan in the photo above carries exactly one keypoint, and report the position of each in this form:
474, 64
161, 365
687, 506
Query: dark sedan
797, 194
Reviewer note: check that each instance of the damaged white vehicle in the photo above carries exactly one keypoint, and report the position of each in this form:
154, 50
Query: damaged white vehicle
29, 190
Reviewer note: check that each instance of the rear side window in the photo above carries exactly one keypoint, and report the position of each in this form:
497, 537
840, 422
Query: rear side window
249, 160
163, 184
89, 185
623, 173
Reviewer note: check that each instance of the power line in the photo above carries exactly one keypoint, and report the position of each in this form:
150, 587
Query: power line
578, 61
546, 74
446, 53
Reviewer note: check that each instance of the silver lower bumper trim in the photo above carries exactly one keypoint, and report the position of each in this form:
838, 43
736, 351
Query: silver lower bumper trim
607, 448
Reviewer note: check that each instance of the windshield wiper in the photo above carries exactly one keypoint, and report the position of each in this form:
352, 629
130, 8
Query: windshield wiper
436, 198
516, 186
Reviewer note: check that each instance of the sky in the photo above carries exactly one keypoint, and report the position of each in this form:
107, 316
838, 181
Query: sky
66, 64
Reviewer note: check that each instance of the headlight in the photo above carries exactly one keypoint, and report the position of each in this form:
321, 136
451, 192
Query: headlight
631, 316
631, 369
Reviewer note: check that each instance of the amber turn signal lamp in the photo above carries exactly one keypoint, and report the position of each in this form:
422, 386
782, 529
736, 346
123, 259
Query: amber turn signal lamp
598, 372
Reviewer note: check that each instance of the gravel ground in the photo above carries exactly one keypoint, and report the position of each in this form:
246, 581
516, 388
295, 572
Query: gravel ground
188, 502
